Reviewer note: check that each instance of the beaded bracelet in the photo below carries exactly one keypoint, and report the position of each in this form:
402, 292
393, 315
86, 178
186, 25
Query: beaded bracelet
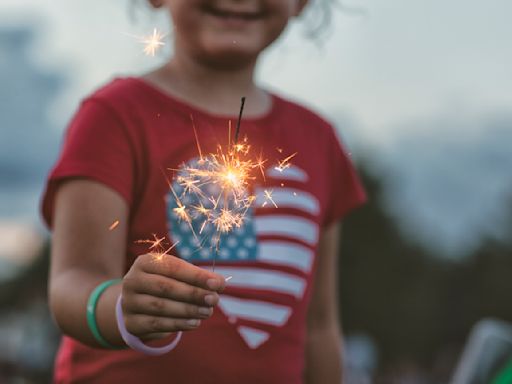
91, 313
134, 342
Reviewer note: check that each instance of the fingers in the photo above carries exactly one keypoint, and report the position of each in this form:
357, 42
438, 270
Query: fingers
167, 295
160, 286
145, 324
178, 269
156, 306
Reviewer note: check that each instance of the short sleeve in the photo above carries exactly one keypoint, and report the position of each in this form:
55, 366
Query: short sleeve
346, 191
96, 146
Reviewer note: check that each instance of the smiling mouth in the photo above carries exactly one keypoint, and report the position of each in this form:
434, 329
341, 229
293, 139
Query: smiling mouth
231, 14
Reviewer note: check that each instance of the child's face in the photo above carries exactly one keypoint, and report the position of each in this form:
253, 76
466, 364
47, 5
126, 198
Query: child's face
229, 33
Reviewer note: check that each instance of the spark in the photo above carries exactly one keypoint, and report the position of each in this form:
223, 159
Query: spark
156, 247
268, 197
155, 244
182, 213
152, 42
285, 163
113, 225
197, 138
201, 209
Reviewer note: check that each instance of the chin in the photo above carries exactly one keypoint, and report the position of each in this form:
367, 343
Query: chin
229, 57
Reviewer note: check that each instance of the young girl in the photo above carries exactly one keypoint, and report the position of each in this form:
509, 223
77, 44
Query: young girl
276, 320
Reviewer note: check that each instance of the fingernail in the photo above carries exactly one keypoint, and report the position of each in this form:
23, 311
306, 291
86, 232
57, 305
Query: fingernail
210, 299
213, 283
204, 310
193, 322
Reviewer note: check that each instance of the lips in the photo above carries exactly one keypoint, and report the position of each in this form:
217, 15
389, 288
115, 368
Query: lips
231, 14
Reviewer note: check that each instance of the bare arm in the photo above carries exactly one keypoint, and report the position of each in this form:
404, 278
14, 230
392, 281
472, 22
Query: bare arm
158, 297
323, 348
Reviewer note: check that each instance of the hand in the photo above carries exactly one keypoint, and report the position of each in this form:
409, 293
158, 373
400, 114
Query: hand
167, 294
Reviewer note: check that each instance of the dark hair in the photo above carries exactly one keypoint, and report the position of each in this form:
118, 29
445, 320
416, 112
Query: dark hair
318, 16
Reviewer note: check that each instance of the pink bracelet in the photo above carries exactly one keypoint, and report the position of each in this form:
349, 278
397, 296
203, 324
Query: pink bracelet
134, 342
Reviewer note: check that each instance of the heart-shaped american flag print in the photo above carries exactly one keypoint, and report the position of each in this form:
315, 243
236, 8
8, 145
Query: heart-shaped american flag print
272, 251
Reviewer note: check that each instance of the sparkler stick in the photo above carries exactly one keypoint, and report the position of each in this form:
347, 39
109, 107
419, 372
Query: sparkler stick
237, 132
226, 212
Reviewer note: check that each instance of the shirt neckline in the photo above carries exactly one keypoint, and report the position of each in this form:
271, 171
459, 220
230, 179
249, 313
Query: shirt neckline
197, 111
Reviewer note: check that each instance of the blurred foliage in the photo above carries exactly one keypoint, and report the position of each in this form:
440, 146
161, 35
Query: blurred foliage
29, 282
413, 303
23, 301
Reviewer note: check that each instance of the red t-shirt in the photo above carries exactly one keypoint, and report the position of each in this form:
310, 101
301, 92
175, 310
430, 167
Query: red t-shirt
126, 136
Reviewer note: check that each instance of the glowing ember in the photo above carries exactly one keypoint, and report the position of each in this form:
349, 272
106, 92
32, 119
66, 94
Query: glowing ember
113, 225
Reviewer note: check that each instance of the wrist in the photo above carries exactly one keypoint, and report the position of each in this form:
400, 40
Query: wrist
106, 315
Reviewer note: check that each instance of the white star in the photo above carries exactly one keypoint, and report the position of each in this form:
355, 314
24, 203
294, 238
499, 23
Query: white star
204, 253
232, 242
249, 242
186, 252
224, 253
242, 253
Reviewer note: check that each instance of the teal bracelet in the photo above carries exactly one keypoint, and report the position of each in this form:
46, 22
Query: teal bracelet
91, 313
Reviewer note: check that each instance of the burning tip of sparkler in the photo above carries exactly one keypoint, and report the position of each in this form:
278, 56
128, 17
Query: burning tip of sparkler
228, 278
113, 225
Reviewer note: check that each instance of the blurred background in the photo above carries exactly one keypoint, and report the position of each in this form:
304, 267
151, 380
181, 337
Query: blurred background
422, 95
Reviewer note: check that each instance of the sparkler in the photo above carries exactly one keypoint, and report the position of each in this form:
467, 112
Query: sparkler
219, 186
212, 194
229, 172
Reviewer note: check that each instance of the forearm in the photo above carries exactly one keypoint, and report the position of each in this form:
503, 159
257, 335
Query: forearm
324, 356
69, 293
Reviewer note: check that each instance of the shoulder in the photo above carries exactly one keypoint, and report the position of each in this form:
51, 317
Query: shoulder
113, 111
120, 91
127, 100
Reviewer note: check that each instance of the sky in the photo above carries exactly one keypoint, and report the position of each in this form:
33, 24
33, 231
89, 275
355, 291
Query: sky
417, 84
394, 60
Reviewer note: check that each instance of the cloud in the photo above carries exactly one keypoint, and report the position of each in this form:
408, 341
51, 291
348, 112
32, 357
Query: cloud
449, 180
